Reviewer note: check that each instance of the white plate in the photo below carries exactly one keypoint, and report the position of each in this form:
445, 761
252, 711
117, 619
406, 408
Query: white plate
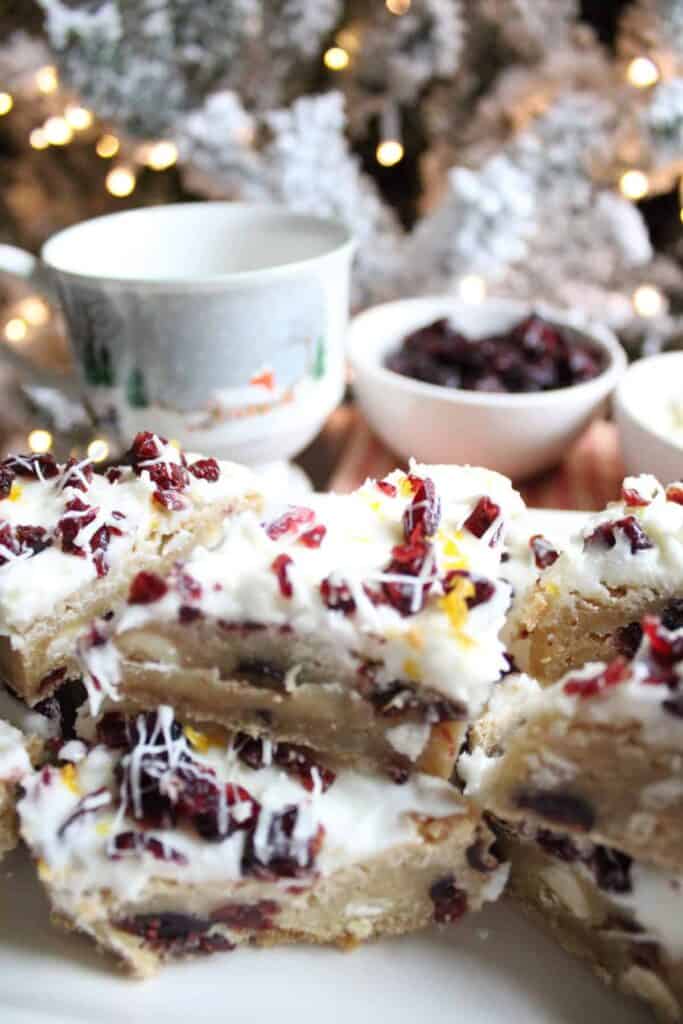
493, 966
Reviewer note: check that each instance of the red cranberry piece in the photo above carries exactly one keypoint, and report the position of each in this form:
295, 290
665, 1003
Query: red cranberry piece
247, 916
450, 902
544, 553
146, 447
39, 467
386, 488
674, 492
633, 498
146, 588
6, 481
299, 761
408, 560
672, 616
32, 538
290, 521
313, 538
283, 858
605, 535
177, 932
627, 639
665, 649
337, 596
482, 517
280, 567
421, 518
187, 614
483, 589
113, 731
170, 500
77, 479
558, 807
137, 842
615, 673
113, 474
205, 469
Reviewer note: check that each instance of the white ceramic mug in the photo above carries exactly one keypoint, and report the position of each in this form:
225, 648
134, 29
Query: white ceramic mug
218, 324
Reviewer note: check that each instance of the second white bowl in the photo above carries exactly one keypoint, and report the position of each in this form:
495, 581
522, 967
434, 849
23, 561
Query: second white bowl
516, 434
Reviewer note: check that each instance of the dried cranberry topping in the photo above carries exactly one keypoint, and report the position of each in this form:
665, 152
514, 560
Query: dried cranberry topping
421, 518
337, 596
76, 479
6, 481
483, 589
397, 698
295, 760
415, 561
22, 540
482, 517
290, 522
39, 467
146, 588
615, 673
450, 902
544, 553
674, 492
187, 614
179, 933
627, 639
113, 474
280, 567
283, 855
205, 469
633, 498
313, 538
664, 648
137, 842
170, 500
386, 488
605, 535
558, 807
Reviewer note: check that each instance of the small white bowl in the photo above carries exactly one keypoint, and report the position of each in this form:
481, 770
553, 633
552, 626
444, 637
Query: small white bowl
640, 404
516, 434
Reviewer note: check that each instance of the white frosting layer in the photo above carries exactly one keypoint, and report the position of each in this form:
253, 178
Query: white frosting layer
591, 571
14, 761
30, 587
444, 645
362, 815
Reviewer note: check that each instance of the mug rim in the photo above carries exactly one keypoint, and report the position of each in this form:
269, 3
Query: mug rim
345, 241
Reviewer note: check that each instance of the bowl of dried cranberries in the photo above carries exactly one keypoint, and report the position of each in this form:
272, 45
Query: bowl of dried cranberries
498, 383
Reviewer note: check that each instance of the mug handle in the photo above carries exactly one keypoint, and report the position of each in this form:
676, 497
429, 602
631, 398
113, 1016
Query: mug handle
22, 264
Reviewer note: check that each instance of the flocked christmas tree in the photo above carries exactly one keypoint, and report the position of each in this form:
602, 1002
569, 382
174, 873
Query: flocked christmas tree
472, 145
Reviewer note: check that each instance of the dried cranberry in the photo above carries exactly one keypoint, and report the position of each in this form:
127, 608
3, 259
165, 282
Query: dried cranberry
76, 479
186, 586
290, 521
665, 648
483, 589
482, 517
615, 673
421, 518
280, 567
415, 561
295, 760
247, 916
6, 481
39, 467
137, 842
450, 902
605, 535
146, 588
146, 447
398, 774
672, 615
544, 553
558, 807
633, 498
205, 469
674, 492
313, 538
113, 731
32, 538
674, 706
181, 933
113, 474
386, 488
170, 500
286, 855
337, 596
187, 614
627, 639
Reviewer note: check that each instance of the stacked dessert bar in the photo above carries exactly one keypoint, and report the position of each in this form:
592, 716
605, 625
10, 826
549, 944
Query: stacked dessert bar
274, 704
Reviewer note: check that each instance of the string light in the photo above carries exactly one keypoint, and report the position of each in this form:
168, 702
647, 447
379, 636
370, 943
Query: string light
35, 311
472, 288
6, 103
161, 155
58, 132
389, 152
107, 146
633, 184
642, 72
47, 79
79, 118
336, 58
648, 300
16, 329
120, 182
98, 450
40, 441
398, 7
37, 139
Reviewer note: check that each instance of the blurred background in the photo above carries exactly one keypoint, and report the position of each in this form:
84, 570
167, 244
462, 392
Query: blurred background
531, 148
